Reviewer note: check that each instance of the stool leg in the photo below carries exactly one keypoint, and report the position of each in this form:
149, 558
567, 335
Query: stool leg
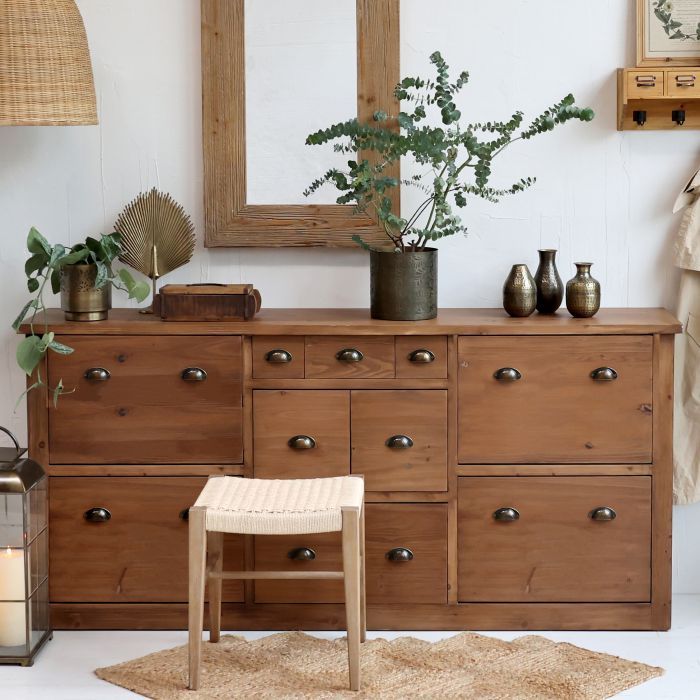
351, 568
198, 557
215, 544
363, 596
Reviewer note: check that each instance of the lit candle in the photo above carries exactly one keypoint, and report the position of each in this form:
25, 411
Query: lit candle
12, 615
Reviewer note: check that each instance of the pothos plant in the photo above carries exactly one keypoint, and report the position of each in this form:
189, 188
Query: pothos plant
44, 268
456, 158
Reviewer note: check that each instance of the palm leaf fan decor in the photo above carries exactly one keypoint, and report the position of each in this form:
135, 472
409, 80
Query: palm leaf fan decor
157, 236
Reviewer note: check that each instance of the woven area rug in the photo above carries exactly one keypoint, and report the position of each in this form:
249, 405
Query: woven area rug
296, 665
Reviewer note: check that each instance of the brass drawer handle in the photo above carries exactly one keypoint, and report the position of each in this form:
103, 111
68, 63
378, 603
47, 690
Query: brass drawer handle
685, 81
97, 515
399, 554
193, 374
422, 357
185, 514
506, 515
97, 374
302, 442
602, 514
399, 442
604, 374
645, 80
302, 554
507, 374
349, 355
278, 357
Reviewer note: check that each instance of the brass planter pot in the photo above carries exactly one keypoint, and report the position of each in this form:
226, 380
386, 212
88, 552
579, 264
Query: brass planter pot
80, 300
403, 286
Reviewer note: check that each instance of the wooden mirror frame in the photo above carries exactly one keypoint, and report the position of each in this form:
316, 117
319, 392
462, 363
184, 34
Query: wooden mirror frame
229, 220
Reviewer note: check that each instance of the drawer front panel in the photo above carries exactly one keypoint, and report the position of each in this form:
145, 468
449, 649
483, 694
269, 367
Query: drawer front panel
683, 83
423, 357
645, 83
301, 434
280, 357
139, 554
419, 528
547, 408
399, 439
347, 357
135, 407
555, 551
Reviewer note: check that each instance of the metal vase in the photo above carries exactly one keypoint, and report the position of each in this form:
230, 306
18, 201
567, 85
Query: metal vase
583, 292
550, 288
80, 299
519, 292
403, 286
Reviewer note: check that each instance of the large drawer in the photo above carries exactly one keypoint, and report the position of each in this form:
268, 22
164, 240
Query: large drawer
139, 554
552, 539
406, 547
553, 400
140, 400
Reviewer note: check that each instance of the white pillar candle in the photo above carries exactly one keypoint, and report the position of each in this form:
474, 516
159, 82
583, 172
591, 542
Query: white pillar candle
13, 630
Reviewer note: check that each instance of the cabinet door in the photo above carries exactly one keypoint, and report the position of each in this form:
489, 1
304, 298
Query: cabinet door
554, 539
555, 399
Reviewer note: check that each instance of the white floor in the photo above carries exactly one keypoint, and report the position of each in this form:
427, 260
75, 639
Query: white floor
63, 671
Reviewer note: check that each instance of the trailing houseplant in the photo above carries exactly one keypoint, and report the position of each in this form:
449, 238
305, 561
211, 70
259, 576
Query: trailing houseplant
456, 158
59, 266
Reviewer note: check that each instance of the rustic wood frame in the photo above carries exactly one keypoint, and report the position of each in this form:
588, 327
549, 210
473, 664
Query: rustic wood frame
642, 59
229, 220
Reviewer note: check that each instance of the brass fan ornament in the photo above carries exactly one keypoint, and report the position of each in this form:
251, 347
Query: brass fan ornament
157, 236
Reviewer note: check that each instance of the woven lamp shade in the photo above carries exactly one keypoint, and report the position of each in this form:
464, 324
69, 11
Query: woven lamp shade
45, 68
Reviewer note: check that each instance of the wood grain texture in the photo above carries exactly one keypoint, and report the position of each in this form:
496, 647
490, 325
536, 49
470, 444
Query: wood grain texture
377, 361
407, 369
229, 220
263, 369
554, 552
145, 412
419, 415
555, 412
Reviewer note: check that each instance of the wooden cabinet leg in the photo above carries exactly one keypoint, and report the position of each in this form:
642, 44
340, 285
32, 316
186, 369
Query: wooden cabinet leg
215, 545
363, 591
351, 568
197, 566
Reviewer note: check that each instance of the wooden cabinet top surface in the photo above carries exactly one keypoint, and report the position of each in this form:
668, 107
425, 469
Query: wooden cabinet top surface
357, 321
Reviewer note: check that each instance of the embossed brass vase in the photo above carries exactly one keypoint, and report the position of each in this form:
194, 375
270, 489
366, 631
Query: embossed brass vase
80, 299
550, 288
519, 292
583, 292
403, 286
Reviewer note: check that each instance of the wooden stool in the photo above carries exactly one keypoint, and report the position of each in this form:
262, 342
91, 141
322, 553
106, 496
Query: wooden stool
275, 507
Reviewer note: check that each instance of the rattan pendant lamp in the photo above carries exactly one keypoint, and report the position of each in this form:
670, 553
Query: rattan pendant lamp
45, 70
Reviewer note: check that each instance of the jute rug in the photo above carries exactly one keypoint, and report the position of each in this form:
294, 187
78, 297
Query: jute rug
296, 665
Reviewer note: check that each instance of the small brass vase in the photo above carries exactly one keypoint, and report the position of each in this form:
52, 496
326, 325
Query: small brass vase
80, 299
520, 292
583, 292
550, 288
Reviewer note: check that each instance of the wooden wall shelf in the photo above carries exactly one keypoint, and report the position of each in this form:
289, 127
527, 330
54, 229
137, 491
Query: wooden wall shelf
658, 98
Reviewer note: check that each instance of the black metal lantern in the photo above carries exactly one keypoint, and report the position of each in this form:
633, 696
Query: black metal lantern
24, 560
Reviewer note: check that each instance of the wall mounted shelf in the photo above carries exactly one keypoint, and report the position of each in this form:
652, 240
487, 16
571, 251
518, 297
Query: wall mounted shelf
655, 99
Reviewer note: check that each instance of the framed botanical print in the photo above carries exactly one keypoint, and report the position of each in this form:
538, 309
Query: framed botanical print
668, 32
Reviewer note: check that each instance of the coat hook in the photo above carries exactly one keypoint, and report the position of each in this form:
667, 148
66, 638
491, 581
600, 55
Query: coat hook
640, 117
678, 116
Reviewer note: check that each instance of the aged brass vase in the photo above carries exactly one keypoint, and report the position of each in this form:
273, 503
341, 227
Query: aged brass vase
550, 288
583, 292
80, 299
519, 292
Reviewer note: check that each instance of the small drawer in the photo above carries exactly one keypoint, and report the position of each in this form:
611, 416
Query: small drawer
148, 400
348, 357
399, 439
642, 84
406, 546
554, 539
301, 434
124, 540
421, 357
278, 357
683, 83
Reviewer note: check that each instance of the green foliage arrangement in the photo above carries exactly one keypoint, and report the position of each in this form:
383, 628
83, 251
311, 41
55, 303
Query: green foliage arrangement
44, 267
457, 157
663, 10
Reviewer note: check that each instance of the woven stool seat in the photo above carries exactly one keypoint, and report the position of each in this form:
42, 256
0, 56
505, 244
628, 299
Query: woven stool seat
279, 506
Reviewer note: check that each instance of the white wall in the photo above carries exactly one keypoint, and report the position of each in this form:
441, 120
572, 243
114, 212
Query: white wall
601, 195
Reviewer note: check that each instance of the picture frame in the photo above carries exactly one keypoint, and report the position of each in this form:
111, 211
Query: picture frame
668, 33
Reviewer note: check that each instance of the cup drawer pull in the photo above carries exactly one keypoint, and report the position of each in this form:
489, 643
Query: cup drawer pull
399, 442
302, 442
507, 374
602, 514
349, 355
422, 357
97, 515
278, 357
302, 554
97, 374
506, 515
194, 374
604, 374
399, 554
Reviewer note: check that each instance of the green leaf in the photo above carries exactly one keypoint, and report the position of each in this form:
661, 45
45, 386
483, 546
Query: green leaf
29, 353
102, 277
36, 243
357, 239
60, 348
136, 290
32, 285
35, 263
58, 390
77, 254
22, 314
55, 281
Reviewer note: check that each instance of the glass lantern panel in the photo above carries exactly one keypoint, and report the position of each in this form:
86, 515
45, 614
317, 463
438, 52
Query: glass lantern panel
38, 560
11, 520
38, 508
13, 607
38, 614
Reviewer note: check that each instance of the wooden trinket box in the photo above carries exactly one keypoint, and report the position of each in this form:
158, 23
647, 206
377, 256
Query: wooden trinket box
208, 302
